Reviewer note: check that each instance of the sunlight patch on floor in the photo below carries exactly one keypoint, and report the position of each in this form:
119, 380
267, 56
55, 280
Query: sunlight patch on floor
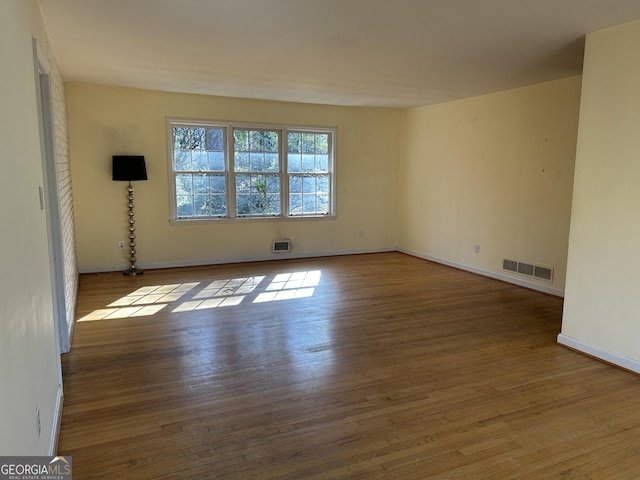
230, 287
155, 294
123, 312
231, 292
288, 286
210, 303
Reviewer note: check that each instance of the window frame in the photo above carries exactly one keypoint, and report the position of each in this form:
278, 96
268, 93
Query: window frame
230, 173
315, 174
233, 173
174, 173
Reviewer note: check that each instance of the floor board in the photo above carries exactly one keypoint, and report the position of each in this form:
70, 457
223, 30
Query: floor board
379, 366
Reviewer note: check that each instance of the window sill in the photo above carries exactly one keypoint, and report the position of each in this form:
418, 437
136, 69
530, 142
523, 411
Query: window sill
238, 220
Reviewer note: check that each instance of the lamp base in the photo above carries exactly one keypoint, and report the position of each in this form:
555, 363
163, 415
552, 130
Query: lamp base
132, 272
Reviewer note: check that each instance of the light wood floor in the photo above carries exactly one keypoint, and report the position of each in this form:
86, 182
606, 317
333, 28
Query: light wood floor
360, 367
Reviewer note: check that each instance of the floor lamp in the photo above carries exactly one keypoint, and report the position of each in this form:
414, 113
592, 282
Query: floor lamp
130, 168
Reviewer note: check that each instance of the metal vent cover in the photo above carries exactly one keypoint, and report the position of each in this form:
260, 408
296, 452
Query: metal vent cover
510, 265
281, 246
525, 268
544, 273
538, 271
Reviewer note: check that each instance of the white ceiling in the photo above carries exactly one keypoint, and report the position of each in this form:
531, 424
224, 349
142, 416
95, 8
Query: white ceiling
400, 53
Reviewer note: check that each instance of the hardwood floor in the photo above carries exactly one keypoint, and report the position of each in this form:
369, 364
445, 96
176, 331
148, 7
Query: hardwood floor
378, 366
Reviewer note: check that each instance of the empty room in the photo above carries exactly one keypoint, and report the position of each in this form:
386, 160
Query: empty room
357, 239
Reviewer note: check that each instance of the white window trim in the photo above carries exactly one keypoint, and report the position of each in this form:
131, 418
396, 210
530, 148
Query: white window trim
231, 216
231, 211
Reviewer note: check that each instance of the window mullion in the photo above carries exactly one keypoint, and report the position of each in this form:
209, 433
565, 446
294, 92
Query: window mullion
231, 174
332, 173
172, 170
284, 175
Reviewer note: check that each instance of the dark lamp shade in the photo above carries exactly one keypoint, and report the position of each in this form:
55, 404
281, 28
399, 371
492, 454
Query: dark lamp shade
128, 168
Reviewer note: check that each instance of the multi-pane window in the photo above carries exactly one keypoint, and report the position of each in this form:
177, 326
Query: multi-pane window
309, 173
256, 156
237, 171
199, 171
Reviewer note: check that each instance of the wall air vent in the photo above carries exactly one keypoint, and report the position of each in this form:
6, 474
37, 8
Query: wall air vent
545, 273
510, 265
525, 268
530, 270
281, 246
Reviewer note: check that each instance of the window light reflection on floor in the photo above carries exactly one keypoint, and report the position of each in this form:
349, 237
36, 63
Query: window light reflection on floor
155, 294
122, 312
149, 300
143, 302
221, 293
287, 286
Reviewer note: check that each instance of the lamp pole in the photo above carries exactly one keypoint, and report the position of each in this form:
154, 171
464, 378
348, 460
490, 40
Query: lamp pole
130, 168
133, 268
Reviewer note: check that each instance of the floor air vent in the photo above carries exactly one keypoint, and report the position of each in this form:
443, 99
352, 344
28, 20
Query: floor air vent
528, 269
281, 246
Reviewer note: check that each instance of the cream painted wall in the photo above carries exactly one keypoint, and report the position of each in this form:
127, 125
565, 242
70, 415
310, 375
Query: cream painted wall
602, 304
28, 353
494, 171
104, 121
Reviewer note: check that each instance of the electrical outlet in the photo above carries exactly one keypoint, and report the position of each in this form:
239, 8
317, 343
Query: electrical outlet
121, 244
361, 233
477, 248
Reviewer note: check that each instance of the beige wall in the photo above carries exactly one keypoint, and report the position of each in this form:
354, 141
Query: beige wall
602, 305
494, 171
28, 355
104, 121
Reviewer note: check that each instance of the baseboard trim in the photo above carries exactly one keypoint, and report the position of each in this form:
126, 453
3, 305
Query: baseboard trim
222, 261
57, 421
283, 256
487, 273
598, 353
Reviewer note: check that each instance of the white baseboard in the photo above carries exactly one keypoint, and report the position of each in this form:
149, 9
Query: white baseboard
222, 261
487, 273
57, 421
283, 256
597, 352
